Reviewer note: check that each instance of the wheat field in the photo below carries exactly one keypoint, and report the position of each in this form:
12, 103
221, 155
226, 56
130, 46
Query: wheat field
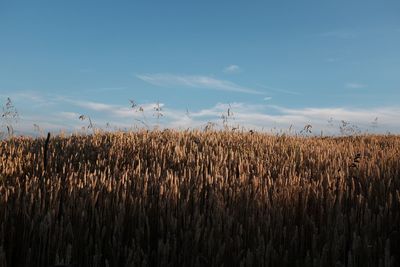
195, 198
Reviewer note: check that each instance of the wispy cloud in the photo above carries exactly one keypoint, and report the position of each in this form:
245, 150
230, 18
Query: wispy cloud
267, 98
55, 123
354, 85
96, 106
232, 69
255, 116
69, 115
30, 98
24, 95
279, 90
194, 81
118, 111
361, 116
267, 117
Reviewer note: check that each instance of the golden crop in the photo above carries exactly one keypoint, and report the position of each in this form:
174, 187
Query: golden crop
200, 199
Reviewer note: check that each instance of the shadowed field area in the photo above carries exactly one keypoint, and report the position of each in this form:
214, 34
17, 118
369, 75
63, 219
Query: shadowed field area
200, 199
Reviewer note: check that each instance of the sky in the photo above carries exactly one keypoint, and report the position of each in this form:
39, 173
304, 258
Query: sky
275, 65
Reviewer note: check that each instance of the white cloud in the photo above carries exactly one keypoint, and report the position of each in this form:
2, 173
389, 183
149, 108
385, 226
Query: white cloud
354, 85
258, 117
194, 81
267, 117
69, 115
95, 106
55, 123
232, 69
27, 98
267, 98
278, 90
115, 110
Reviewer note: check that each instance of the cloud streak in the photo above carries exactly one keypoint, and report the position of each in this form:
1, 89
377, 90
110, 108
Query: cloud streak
279, 90
258, 116
116, 111
194, 81
232, 69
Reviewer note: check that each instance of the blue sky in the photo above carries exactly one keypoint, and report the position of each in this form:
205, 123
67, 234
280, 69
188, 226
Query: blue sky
273, 63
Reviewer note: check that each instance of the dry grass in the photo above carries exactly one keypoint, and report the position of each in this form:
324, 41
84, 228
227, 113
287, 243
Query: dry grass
200, 199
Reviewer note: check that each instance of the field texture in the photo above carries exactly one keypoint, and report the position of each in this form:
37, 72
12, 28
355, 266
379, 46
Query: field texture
200, 199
